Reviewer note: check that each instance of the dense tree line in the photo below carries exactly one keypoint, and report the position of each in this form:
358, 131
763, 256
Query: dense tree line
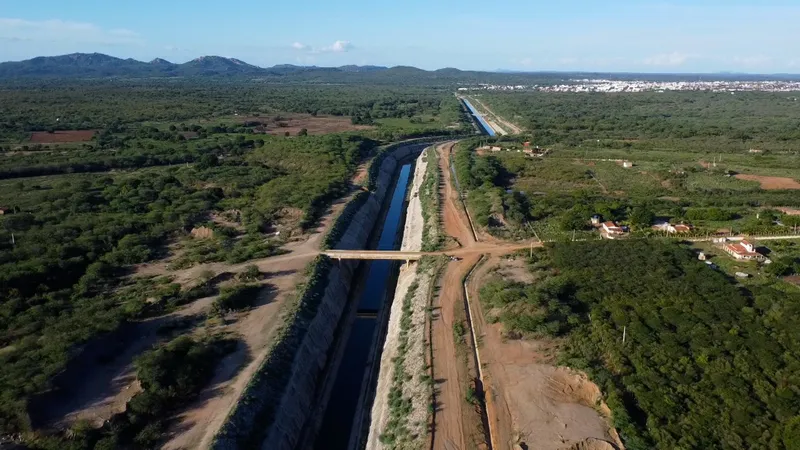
705, 364
718, 121
96, 104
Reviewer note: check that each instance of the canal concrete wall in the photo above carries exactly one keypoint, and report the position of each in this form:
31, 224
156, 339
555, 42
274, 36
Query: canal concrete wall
404, 347
299, 395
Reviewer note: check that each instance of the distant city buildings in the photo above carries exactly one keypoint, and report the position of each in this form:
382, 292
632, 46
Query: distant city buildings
602, 85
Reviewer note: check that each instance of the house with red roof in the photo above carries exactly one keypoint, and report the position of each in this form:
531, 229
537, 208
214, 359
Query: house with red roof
611, 230
743, 251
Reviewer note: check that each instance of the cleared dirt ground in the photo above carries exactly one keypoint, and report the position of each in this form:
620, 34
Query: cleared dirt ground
43, 137
770, 183
534, 402
293, 123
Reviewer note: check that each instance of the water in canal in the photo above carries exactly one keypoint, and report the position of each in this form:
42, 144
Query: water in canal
338, 421
483, 123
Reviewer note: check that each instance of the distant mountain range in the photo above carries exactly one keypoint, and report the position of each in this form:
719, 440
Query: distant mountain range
84, 65
98, 65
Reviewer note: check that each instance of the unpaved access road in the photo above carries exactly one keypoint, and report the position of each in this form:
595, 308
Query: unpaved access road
457, 423
449, 431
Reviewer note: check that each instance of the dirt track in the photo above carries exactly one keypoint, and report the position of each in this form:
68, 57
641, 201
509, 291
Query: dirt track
449, 431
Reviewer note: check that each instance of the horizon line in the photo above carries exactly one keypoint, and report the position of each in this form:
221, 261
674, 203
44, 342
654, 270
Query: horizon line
496, 71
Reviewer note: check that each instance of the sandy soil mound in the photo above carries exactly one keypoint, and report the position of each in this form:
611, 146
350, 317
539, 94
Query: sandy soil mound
592, 444
568, 386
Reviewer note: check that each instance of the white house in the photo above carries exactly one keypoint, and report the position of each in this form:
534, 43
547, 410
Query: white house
611, 228
743, 250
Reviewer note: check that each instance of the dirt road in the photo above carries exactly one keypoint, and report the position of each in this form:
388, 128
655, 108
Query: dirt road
451, 429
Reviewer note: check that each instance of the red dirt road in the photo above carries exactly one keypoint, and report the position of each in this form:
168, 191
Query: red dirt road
449, 431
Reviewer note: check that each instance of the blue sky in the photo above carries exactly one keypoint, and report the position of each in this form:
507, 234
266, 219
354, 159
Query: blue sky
613, 35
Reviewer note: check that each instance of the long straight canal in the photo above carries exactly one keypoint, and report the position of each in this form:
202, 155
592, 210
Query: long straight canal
486, 127
337, 424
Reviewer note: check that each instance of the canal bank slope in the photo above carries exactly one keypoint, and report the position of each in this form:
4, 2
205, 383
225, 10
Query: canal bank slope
400, 414
275, 406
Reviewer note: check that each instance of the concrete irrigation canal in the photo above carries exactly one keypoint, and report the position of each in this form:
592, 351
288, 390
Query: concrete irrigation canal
340, 429
484, 124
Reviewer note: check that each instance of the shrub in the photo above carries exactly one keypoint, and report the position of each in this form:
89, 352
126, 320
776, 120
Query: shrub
234, 298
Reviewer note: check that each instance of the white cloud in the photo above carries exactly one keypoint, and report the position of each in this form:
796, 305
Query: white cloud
65, 31
339, 47
336, 47
668, 59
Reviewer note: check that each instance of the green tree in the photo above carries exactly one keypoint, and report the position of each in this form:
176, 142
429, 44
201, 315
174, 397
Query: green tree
207, 161
791, 434
641, 217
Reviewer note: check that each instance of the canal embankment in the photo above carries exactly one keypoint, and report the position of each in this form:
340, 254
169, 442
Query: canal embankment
400, 414
484, 124
275, 407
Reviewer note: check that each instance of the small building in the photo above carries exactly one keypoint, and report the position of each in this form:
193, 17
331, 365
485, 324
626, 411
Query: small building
611, 228
702, 256
596, 219
627, 164
680, 228
4, 211
756, 150
743, 251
